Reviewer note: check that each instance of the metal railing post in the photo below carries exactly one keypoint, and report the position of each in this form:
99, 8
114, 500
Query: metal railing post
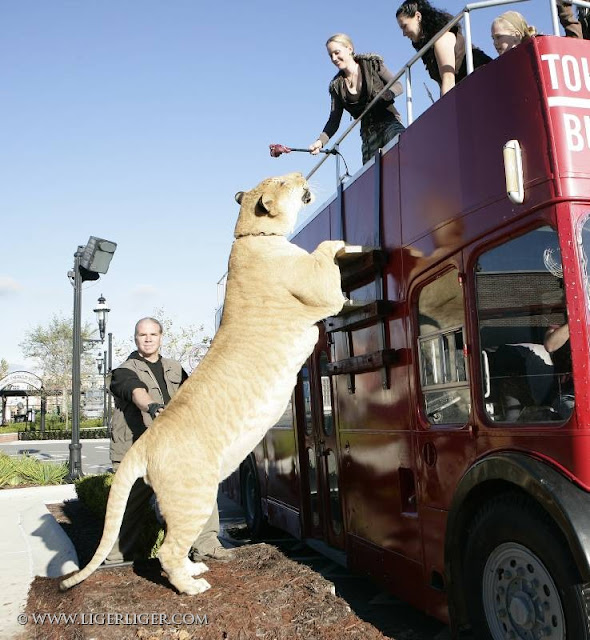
554, 18
468, 45
409, 97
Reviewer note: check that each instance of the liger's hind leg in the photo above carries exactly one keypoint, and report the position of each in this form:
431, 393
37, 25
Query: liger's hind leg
182, 528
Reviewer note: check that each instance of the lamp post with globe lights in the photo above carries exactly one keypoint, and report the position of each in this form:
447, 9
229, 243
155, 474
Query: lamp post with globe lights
101, 363
102, 311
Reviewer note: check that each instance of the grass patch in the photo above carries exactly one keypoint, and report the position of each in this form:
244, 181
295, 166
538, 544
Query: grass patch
27, 470
14, 427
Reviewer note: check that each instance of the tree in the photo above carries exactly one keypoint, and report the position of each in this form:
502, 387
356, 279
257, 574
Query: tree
3, 368
50, 348
187, 344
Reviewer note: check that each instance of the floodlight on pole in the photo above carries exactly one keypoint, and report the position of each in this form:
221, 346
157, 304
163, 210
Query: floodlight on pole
89, 262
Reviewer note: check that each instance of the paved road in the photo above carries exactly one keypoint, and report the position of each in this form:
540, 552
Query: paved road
95, 453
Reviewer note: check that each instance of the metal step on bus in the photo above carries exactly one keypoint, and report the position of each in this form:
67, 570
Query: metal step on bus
359, 264
357, 314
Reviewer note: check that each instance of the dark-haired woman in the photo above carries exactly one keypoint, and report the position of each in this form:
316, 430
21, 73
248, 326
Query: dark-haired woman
445, 61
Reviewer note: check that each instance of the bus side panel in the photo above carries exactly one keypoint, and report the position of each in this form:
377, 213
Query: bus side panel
282, 467
563, 68
316, 230
461, 169
391, 224
434, 522
376, 463
359, 206
399, 575
375, 490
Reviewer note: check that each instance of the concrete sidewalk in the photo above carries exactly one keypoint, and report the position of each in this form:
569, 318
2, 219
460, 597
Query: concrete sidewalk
32, 544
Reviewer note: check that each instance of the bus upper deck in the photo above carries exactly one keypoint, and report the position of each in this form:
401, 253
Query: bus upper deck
432, 438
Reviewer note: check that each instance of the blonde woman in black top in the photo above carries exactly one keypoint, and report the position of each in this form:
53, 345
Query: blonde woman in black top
359, 79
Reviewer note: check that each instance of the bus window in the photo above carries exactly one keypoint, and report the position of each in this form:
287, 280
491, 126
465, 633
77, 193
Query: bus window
334, 497
520, 298
306, 399
584, 243
313, 487
328, 423
443, 373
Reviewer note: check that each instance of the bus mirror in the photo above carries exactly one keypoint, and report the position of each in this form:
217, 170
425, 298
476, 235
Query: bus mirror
513, 171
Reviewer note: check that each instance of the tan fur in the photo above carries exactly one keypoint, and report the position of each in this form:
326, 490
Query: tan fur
276, 293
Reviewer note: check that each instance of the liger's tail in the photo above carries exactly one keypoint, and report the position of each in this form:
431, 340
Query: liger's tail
133, 466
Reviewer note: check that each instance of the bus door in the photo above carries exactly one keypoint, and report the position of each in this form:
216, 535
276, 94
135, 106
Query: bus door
444, 435
319, 459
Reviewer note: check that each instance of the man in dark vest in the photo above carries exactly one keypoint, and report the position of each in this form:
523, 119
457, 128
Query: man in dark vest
142, 386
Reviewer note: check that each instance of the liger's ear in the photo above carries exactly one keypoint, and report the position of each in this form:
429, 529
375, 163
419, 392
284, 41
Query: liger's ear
239, 195
264, 205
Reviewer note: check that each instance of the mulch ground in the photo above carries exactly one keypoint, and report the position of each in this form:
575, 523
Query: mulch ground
259, 595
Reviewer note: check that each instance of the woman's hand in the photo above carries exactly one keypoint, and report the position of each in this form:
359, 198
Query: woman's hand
314, 148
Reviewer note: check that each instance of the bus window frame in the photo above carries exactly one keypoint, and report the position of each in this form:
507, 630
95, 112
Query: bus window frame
425, 423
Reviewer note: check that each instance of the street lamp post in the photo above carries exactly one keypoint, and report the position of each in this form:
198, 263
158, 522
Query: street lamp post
89, 262
101, 363
110, 400
75, 466
102, 311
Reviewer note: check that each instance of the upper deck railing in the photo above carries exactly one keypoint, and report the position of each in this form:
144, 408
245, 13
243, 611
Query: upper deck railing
406, 70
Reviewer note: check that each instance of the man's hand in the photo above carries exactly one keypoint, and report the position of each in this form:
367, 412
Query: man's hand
154, 409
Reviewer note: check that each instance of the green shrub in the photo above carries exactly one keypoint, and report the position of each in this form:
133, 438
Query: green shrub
7, 470
93, 492
52, 422
28, 470
91, 423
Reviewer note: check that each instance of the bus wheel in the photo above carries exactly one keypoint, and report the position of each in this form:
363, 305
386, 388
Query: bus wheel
519, 576
251, 500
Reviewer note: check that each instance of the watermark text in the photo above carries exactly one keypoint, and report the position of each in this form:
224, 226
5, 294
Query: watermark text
111, 618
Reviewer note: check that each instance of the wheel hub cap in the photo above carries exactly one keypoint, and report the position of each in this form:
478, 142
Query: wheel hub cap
520, 598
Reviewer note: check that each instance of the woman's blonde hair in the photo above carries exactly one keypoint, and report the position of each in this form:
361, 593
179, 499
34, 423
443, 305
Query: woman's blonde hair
342, 38
517, 22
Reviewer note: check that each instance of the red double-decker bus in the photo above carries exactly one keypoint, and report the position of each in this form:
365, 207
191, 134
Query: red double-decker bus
435, 441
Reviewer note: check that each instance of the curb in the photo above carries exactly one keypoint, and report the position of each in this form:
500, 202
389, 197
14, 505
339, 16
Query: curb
34, 544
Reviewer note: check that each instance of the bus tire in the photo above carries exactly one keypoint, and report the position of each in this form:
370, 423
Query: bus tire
520, 579
251, 502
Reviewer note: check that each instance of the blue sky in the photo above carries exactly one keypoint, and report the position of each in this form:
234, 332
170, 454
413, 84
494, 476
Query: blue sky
138, 120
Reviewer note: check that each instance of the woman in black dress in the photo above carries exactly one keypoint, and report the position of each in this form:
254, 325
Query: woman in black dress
445, 60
